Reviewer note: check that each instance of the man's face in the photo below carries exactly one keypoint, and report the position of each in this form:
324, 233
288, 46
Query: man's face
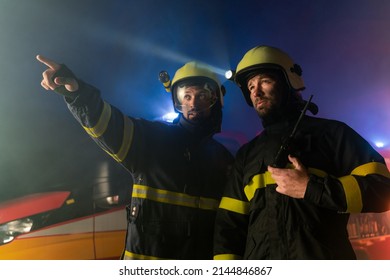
196, 102
265, 93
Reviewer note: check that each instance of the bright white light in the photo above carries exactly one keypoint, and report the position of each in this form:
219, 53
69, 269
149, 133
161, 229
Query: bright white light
169, 117
379, 144
229, 74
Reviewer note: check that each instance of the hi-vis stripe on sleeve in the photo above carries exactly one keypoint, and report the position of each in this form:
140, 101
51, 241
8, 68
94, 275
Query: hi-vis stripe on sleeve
371, 168
100, 128
351, 185
234, 205
174, 198
353, 195
102, 123
126, 141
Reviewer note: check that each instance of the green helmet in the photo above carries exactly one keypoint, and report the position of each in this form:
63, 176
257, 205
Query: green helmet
267, 58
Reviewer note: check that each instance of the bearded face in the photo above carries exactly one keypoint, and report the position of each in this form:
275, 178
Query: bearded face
266, 93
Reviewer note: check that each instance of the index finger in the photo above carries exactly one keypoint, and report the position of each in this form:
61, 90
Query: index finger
48, 62
272, 170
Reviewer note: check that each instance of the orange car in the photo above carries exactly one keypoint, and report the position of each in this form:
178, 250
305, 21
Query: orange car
83, 223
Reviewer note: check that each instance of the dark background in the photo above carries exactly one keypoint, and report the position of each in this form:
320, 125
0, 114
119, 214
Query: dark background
120, 47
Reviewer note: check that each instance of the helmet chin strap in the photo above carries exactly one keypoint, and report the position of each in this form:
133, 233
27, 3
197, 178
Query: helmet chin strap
206, 127
198, 129
288, 107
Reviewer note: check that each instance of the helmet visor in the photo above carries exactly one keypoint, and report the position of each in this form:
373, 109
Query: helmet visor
198, 96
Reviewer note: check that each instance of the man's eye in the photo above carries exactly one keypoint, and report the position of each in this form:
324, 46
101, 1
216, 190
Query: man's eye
267, 81
187, 97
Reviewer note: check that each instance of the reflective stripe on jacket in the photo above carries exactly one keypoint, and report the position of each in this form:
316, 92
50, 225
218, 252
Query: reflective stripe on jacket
178, 179
347, 176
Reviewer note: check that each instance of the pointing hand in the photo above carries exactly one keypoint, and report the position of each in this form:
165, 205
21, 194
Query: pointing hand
56, 76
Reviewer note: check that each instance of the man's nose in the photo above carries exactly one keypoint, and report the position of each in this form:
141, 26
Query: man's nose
197, 101
192, 102
257, 91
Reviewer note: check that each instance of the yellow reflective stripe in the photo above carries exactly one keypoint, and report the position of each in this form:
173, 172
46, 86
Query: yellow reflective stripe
227, 257
351, 186
234, 205
127, 140
371, 168
175, 198
131, 256
353, 195
317, 172
262, 180
102, 123
258, 181
128, 131
100, 128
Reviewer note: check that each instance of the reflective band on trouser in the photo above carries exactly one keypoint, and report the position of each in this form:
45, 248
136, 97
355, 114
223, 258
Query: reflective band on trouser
101, 126
227, 257
174, 198
131, 256
234, 205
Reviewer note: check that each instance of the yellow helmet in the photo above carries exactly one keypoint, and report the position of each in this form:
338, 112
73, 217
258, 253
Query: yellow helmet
196, 73
192, 72
194, 69
266, 57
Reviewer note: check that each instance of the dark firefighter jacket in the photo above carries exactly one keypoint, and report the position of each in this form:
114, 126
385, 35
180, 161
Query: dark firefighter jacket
178, 179
346, 176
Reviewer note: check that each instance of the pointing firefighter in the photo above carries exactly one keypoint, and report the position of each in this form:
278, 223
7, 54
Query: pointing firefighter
179, 170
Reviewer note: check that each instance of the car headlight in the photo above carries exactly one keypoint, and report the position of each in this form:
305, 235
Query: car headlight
10, 230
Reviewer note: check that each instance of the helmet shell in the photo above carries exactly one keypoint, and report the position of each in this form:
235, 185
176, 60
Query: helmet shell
196, 70
266, 57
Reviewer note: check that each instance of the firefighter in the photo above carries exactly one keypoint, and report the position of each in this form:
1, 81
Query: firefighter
179, 170
298, 209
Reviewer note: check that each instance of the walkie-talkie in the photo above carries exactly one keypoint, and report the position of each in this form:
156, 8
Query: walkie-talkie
281, 158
